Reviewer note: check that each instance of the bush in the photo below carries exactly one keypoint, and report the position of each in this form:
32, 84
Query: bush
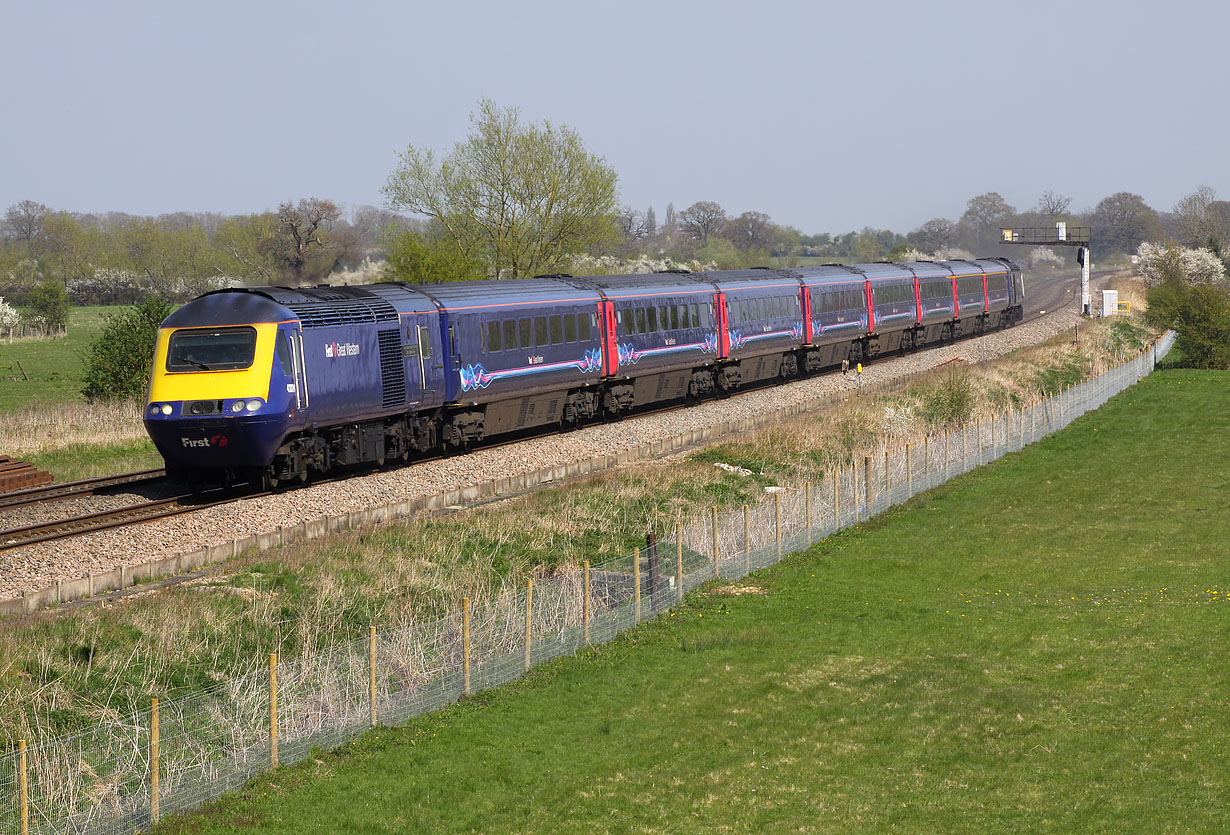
119, 360
47, 308
1200, 315
950, 405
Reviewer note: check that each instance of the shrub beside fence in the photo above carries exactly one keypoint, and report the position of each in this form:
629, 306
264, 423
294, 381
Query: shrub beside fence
127, 771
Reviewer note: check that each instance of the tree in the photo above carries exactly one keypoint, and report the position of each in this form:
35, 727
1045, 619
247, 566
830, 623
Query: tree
671, 222
426, 257
302, 229
1195, 223
1053, 205
523, 198
750, 230
935, 234
1159, 264
651, 222
24, 221
244, 239
986, 213
631, 224
47, 308
1199, 314
1121, 222
702, 220
119, 359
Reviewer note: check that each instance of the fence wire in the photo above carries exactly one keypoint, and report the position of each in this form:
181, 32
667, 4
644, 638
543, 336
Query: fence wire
212, 741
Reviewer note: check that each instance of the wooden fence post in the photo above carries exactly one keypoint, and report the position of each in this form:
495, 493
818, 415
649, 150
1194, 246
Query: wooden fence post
909, 474
947, 434
23, 791
153, 761
585, 603
465, 640
716, 567
371, 673
777, 502
678, 562
273, 710
927, 459
636, 584
807, 509
867, 485
747, 540
837, 498
529, 616
887, 470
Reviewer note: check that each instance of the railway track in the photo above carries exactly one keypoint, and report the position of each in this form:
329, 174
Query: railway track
1057, 295
102, 520
63, 490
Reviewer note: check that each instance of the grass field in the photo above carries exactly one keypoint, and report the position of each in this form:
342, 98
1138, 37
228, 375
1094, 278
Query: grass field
46, 420
1056, 664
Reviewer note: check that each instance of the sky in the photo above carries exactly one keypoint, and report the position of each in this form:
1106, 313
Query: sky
826, 116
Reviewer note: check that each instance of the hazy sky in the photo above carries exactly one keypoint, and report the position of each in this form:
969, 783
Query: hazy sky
827, 116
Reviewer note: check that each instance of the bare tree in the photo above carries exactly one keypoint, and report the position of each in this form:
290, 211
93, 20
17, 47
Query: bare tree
302, 227
702, 220
24, 221
631, 224
1196, 223
651, 222
671, 221
1053, 204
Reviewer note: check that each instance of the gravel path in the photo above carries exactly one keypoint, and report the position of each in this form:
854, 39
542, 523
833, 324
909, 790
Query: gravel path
37, 566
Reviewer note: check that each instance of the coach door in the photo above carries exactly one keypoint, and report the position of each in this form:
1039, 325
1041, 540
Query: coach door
294, 339
423, 362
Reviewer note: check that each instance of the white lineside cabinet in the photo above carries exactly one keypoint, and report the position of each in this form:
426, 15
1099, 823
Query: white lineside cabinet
1110, 302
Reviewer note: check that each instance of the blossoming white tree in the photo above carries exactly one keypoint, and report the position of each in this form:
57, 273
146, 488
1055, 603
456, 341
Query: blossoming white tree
1156, 262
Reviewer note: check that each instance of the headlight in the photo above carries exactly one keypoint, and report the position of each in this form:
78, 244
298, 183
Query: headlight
237, 406
153, 409
166, 408
255, 404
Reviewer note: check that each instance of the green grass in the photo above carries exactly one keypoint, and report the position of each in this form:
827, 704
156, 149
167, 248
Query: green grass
79, 461
56, 367
1055, 664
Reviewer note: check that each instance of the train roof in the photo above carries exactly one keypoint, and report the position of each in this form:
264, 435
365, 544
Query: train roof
928, 269
228, 308
510, 292
638, 285
762, 278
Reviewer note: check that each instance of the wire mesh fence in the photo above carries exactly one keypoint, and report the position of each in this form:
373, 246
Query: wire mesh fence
124, 773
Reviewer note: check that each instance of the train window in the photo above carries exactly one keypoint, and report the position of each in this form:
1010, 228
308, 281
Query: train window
640, 320
652, 319
674, 317
557, 330
424, 342
283, 351
706, 316
211, 349
494, 343
540, 330
583, 326
664, 318
693, 316
510, 334
570, 327
525, 332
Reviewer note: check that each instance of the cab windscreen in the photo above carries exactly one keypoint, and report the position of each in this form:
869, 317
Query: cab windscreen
211, 349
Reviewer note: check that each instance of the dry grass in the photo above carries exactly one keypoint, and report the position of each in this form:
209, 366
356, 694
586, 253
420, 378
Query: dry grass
45, 428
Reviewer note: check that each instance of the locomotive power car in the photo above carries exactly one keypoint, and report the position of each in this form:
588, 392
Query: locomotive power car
272, 384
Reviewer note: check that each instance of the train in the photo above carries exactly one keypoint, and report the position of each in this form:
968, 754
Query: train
272, 385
